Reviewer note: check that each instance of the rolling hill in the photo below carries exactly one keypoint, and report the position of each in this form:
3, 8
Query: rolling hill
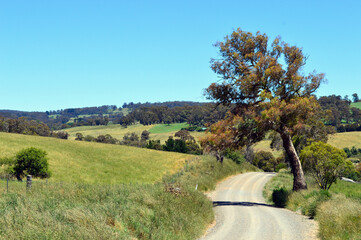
356, 105
157, 132
86, 162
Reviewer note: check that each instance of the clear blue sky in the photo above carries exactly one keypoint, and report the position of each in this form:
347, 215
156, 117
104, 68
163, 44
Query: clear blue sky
71, 53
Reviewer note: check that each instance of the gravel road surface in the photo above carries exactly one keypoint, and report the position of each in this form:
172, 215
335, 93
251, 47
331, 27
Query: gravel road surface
241, 213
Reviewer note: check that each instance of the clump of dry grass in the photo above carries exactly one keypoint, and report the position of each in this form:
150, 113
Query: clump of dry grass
340, 218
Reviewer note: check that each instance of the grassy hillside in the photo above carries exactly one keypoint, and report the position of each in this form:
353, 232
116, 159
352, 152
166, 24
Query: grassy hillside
339, 140
265, 146
356, 105
157, 132
347, 139
171, 209
115, 130
73, 161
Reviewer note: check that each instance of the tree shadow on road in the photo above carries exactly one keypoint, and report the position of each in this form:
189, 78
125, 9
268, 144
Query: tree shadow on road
246, 204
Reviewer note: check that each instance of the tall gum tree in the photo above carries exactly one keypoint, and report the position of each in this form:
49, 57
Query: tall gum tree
265, 84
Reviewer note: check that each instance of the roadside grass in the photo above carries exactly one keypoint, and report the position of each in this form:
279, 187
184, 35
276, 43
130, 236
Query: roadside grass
356, 105
168, 209
338, 211
87, 162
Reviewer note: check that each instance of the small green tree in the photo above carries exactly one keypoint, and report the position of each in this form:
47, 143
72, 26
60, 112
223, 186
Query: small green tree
145, 135
266, 161
169, 144
31, 161
325, 163
79, 136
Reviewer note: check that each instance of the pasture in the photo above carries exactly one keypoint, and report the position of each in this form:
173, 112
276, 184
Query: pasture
157, 132
347, 139
115, 130
356, 105
87, 162
339, 140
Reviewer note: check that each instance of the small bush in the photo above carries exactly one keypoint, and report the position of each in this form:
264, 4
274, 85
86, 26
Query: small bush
235, 156
280, 197
266, 161
280, 166
89, 138
31, 161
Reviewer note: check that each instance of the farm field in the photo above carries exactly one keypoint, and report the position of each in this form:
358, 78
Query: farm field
157, 132
356, 105
115, 130
347, 139
86, 162
265, 146
339, 140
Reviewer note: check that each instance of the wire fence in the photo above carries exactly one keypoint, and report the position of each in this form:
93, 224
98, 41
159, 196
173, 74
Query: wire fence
9, 184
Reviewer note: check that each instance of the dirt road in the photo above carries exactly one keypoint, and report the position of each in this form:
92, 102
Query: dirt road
241, 213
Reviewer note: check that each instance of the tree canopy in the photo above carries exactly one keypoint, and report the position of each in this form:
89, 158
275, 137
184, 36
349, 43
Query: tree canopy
31, 161
325, 163
265, 84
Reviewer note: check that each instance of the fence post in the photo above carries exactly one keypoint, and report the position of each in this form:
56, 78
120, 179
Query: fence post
28, 182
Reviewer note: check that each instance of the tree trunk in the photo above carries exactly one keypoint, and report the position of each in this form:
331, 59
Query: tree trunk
299, 181
219, 157
19, 178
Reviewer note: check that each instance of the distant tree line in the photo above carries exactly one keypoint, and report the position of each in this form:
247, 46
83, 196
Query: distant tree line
181, 142
22, 125
74, 112
193, 115
340, 114
103, 115
169, 104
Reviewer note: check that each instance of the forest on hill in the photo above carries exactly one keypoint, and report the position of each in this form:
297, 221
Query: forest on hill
339, 112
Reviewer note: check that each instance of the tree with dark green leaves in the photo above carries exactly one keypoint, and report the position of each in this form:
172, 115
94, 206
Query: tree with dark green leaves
355, 98
31, 161
79, 136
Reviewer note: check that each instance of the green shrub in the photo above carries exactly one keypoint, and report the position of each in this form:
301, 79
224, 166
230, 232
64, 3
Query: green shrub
89, 138
280, 166
31, 161
235, 156
280, 197
325, 163
266, 161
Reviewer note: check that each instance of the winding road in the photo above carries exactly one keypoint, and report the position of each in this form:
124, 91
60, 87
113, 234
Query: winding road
241, 213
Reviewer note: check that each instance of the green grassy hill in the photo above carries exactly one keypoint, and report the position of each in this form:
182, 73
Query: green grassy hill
347, 139
115, 130
157, 132
356, 105
86, 162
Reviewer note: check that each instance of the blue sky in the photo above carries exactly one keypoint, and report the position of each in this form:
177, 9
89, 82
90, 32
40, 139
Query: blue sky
72, 53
